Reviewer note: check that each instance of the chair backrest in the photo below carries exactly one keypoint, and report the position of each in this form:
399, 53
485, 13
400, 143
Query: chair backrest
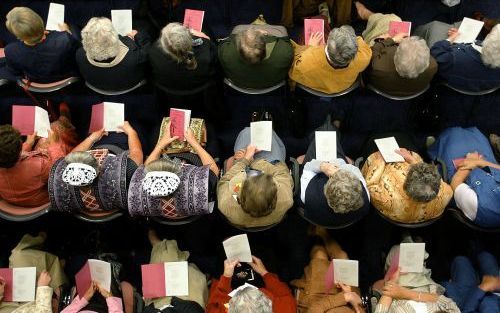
115, 93
353, 87
175, 222
410, 225
301, 212
16, 213
254, 229
186, 92
251, 91
101, 217
398, 98
460, 216
471, 93
46, 88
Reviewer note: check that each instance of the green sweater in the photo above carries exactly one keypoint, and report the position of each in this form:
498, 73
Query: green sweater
271, 71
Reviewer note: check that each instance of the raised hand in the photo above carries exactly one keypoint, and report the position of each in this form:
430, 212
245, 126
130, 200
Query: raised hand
44, 279
316, 39
258, 266
229, 266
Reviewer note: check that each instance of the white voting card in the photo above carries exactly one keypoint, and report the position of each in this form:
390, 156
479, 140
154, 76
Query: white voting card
411, 257
387, 147
261, 135
238, 247
176, 278
468, 31
346, 272
326, 145
55, 16
122, 21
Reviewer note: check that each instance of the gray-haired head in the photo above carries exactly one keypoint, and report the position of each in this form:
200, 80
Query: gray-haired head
422, 182
82, 157
164, 165
252, 45
342, 46
344, 192
412, 57
100, 39
491, 48
250, 300
176, 41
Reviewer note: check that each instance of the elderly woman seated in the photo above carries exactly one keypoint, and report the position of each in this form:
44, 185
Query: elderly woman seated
474, 290
332, 68
50, 275
410, 292
464, 66
256, 56
25, 167
473, 173
257, 190
316, 292
332, 193
110, 61
407, 192
182, 59
84, 180
174, 187
40, 56
273, 297
168, 251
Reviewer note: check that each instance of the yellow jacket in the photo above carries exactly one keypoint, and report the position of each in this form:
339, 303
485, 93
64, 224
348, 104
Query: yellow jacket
311, 68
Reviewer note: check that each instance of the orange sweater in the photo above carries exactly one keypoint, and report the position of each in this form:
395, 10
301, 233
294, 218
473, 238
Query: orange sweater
311, 68
279, 293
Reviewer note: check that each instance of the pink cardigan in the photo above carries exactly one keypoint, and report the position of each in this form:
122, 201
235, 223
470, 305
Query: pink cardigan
114, 305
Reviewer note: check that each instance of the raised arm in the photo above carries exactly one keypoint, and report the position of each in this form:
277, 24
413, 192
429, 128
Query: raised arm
160, 146
134, 144
90, 140
205, 157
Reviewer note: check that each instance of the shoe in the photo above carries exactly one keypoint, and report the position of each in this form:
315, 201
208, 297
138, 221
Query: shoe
255, 117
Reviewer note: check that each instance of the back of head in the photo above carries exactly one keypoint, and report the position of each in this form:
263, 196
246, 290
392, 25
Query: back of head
344, 192
81, 169
250, 300
83, 157
491, 48
422, 182
164, 165
25, 24
251, 45
412, 57
100, 39
341, 46
176, 41
10, 146
259, 195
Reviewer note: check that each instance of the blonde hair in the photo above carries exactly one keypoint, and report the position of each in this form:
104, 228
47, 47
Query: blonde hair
259, 195
25, 24
100, 39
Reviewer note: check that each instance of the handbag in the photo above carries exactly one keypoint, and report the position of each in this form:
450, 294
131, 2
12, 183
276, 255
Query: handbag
199, 129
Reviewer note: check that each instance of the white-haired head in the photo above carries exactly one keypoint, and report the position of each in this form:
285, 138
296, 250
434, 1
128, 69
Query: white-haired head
412, 57
341, 46
250, 300
100, 39
491, 48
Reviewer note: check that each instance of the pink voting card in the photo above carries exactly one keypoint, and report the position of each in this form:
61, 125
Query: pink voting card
83, 280
2, 53
177, 123
23, 119
193, 19
458, 162
97, 117
153, 280
399, 27
394, 266
312, 26
7, 275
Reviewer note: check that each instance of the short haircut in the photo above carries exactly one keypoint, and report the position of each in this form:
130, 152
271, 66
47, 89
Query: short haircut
100, 39
422, 182
164, 165
412, 57
491, 48
82, 157
344, 192
250, 300
10, 146
176, 41
251, 45
259, 195
342, 46
25, 24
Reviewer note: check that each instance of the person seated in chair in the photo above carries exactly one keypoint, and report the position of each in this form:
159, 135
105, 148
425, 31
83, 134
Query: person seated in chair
50, 273
25, 167
315, 289
407, 192
258, 189
273, 297
332, 68
109, 61
174, 187
332, 193
474, 291
167, 251
94, 177
182, 59
473, 173
256, 56
40, 56
464, 66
